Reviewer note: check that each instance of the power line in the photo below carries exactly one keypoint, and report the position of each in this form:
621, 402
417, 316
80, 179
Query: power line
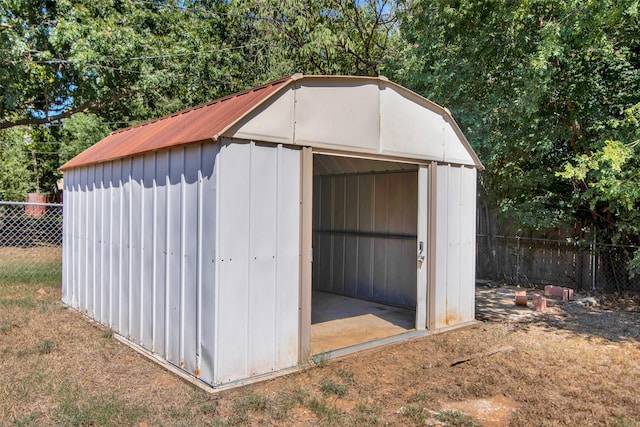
144, 57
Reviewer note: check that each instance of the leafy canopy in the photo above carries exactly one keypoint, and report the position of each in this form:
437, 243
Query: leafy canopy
548, 92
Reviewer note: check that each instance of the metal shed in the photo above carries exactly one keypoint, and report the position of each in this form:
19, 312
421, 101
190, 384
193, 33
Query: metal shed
238, 238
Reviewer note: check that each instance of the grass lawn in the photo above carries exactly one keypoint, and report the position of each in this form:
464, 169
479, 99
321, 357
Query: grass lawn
573, 366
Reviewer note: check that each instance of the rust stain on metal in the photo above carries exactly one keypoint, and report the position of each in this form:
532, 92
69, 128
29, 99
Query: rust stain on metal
197, 373
453, 317
195, 124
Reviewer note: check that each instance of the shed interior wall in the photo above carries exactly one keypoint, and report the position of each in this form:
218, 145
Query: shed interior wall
364, 229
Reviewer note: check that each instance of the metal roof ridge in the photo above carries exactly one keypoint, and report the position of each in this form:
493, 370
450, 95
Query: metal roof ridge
206, 104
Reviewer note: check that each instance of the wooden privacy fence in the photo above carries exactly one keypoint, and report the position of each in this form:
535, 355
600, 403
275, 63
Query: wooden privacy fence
529, 260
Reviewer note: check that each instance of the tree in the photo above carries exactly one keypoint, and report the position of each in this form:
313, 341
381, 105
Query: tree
326, 36
16, 176
125, 60
114, 63
79, 133
548, 92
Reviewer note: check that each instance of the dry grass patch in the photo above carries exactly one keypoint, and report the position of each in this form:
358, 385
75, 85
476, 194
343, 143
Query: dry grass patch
573, 366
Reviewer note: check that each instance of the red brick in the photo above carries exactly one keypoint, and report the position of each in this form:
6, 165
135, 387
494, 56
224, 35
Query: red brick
539, 302
521, 298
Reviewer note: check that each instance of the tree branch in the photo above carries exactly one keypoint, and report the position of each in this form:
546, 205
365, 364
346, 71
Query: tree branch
89, 106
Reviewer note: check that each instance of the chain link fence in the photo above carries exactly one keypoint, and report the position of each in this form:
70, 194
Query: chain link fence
578, 265
31, 251
30, 242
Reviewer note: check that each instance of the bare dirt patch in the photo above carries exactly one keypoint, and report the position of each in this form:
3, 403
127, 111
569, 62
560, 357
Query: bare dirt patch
571, 365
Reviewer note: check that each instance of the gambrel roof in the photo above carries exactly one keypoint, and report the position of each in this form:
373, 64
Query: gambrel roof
338, 113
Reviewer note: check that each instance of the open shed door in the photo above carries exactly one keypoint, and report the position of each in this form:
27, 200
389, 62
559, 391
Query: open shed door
367, 283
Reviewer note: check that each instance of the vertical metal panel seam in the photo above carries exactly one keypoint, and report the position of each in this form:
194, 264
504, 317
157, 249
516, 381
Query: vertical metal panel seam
432, 238
81, 218
306, 246
78, 240
182, 258
372, 246
110, 244
154, 257
344, 238
167, 264
276, 337
318, 250
332, 248
250, 246
386, 242
403, 225
94, 219
130, 246
142, 250
82, 230
461, 233
216, 274
85, 265
199, 262
67, 221
77, 227
121, 240
103, 285
357, 266
474, 201
73, 246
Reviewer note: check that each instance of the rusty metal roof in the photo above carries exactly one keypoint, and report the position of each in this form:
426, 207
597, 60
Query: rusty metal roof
201, 123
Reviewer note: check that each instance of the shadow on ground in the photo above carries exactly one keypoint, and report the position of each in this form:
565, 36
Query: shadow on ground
608, 317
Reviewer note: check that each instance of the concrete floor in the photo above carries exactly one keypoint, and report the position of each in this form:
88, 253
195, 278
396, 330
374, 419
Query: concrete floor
338, 321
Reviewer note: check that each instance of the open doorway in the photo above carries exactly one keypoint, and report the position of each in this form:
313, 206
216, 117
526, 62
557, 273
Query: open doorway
364, 250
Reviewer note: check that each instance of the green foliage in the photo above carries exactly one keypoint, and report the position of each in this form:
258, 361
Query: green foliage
91, 66
326, 36
126, 60
79, 132
548, 92
634, 265
539, 88
16, 177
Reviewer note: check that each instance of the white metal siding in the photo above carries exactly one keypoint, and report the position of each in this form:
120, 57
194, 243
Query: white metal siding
139, 252
455, 246
358, 116
365, 236
259, 240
